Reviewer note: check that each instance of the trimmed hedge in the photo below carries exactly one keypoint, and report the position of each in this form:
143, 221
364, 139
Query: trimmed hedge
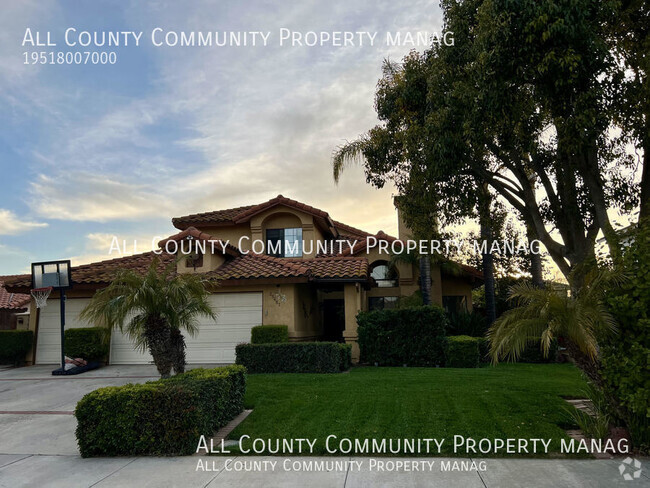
462, 352
295, 357
412, 336
14, 345
90, 343
484, 350
267, 334
164, 417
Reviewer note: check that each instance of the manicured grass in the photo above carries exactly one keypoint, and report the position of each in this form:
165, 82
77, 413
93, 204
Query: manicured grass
508, 401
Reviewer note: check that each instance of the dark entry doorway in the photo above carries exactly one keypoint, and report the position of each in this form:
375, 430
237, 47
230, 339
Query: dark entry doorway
333, 319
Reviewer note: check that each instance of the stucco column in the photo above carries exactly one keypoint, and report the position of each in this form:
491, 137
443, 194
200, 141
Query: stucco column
352, 297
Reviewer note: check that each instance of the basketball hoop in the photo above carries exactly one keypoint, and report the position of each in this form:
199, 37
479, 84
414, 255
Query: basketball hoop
41, 295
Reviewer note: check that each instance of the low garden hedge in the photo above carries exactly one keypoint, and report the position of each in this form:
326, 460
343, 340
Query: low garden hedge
164, 417
90, 343
14, 345
295, 357
410, 336
484, 350
462, 352
267, 334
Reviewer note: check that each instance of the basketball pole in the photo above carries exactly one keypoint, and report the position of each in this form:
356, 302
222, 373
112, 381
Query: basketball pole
62, 300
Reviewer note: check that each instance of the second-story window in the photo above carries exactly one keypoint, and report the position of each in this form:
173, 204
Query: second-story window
284, 243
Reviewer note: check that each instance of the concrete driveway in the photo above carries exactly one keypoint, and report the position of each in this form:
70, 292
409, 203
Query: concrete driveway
36, 408
38, 449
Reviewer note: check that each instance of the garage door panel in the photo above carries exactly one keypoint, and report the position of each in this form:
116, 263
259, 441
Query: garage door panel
48, 347
215, 341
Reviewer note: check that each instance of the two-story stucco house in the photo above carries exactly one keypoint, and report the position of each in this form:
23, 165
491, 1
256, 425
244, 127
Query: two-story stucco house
314, 275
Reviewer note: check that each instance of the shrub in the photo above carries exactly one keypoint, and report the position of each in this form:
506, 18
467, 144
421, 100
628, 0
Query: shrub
294, 357
462, 352
483, 350
626, 356
411, 336
346, 356
14, 345
267, 334
90, 343
164, 417
473, 324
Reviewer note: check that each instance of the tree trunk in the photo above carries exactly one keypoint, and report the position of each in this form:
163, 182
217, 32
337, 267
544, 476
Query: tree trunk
425, 279
485, 201
584, 363
536, 269
157, 336
177, 349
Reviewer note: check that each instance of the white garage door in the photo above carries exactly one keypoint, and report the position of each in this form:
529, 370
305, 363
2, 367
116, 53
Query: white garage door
48, 346
214, 343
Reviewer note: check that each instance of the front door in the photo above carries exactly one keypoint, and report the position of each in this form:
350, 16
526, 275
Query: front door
334, 319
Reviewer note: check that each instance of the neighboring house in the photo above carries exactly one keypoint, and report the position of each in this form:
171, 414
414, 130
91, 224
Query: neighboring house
316, 294
13, 309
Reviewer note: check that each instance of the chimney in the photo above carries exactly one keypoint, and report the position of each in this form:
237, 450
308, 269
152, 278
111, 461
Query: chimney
403, 232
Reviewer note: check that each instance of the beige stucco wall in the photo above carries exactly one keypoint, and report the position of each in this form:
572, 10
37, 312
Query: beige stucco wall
232, 234
352, 295
279, 217
452, 286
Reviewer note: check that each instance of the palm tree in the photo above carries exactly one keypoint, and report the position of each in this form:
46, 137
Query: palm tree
546, 314
153, 308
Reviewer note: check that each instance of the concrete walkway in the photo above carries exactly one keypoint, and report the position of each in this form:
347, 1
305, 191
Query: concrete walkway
72, 471
38, 449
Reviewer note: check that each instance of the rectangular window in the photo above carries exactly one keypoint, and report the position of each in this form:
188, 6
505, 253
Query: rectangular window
284, 243
274, 238
381, 303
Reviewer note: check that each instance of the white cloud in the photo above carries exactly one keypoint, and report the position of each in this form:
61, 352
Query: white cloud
250, 122
102, 246
91, 197
10, 224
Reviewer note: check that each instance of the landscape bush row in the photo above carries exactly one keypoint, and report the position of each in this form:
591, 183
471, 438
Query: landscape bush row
14, 345
295, 357
164, 417
90, 343
418, 336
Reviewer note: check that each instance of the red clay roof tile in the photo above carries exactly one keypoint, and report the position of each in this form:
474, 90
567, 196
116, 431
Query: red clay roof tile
192, 232
13, 301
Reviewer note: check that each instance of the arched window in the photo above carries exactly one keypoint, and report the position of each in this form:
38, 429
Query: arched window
383, 274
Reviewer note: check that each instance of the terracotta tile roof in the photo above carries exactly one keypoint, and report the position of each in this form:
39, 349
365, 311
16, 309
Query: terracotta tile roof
101, 272
241, 267
251, 266
347, 231
192, 232
338, 267
216, 217
243, 214
280, 200
13, 301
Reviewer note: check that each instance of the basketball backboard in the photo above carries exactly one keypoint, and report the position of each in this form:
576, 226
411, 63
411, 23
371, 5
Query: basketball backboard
55, 274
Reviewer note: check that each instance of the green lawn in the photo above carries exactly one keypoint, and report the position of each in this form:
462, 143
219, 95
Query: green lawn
508, 401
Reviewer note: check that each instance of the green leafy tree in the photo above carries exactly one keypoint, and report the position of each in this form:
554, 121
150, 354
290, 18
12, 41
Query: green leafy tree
522, 103
153, 309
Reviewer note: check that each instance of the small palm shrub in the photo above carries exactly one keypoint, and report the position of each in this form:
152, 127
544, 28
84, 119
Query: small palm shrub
153, 308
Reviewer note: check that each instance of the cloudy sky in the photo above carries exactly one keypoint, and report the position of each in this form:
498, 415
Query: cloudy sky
89, 152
